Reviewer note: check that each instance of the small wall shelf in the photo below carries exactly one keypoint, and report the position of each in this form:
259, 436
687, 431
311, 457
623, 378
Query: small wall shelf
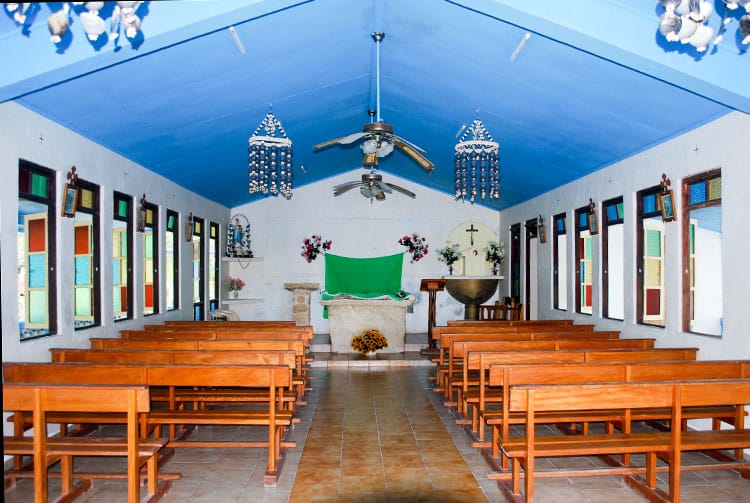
242, 259
241, 301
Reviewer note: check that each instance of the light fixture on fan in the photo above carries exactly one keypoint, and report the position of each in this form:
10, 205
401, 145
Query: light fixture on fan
477, 164
270, 159
687, 21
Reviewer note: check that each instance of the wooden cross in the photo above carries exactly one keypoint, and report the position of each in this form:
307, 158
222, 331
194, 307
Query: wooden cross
471, 230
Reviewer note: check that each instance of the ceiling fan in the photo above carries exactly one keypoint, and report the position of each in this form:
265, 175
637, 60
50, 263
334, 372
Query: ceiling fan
379, 140
372, 186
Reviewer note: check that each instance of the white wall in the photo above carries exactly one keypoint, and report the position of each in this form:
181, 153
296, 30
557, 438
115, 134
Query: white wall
721, 143
20, 130
357, 228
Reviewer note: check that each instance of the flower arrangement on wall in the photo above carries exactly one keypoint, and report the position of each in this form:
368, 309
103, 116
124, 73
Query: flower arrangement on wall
494, 254
417, 246
369, 341
449, 254
235, 284
314, 246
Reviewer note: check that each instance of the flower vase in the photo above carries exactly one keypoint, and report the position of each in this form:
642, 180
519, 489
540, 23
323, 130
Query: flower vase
450, 270
371, 355
235, 294
495, 269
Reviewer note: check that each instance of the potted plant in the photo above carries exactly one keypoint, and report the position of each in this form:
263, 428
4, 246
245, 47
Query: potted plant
494, 254
449, 254
234, 285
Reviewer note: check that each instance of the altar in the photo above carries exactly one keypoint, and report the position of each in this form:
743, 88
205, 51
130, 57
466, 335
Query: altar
362, 294
348, 317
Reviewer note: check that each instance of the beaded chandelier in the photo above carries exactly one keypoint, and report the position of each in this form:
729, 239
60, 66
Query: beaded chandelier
270, 159
477, 164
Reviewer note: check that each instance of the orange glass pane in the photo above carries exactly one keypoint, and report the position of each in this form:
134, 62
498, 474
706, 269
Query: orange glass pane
149, 296
82, 240
37, 235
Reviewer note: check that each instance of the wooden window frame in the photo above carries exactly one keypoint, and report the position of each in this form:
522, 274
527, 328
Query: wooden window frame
51, 246
606, 221
155, 283
641, 215
96, 254
214, 243
198, 231
129, 228
176, 240
583, 213
556, 233
685, 228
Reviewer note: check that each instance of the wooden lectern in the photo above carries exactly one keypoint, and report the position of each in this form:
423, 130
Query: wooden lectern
432, 286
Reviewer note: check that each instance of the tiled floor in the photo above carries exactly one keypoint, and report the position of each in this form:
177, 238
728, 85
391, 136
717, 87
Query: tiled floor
374, 433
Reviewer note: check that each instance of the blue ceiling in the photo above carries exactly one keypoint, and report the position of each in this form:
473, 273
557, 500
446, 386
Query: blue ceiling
594, 84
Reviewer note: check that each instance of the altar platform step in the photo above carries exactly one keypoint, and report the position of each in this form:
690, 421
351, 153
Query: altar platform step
411, 357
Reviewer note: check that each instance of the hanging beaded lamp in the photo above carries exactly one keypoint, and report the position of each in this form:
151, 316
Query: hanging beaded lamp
270, 159
477, 164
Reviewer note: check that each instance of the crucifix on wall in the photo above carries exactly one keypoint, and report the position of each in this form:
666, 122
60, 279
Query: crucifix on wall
471, 230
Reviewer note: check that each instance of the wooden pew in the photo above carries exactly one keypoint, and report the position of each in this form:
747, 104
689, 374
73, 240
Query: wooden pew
460, 345
270, 377
502, 377
536, 400
196, 357
530, 323
298, 346
243, 323
41, 399
445, 337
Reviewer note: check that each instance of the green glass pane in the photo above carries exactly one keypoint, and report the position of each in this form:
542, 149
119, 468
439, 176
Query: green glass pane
170, 222
148, 245
692, 239
653, 240
37, 271
115, 272
116, 299
83, 302
38, 185
38, 307
588, 248
620, 210
82, 270
122, 208
124, 244
714, 188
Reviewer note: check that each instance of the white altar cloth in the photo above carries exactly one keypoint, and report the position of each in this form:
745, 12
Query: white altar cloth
348, 317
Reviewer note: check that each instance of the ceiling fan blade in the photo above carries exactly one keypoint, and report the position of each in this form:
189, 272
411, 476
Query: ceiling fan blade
384, 187
345, 187
412, 145
404, 191
419, 158
344, 140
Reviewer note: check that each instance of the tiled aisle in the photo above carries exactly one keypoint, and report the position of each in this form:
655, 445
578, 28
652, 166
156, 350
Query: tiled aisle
375, 437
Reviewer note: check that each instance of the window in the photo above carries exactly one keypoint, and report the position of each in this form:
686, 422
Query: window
650, 291
172, 261
122, 250
584, 262
86, 258
613, 261
559, 266
150, 215
213, 266
515, 262
198, 270
35, 239
702, 285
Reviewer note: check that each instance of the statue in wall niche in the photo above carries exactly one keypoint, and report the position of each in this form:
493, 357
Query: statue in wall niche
238, 237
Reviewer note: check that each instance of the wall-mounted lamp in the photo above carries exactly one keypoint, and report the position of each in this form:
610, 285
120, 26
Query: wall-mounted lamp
593, 220
189, 227
541, 229
70, 195
141, 227
666, 200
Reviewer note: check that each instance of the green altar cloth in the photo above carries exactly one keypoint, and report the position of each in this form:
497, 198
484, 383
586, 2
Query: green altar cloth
364, 278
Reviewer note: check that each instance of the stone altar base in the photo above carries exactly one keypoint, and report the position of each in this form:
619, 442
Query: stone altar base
348, 317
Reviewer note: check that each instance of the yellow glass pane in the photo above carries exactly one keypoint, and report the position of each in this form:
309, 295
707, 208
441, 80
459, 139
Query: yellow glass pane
714, 188
653, 273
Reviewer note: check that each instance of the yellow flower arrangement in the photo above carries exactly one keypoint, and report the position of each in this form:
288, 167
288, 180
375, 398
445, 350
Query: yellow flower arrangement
369, 341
